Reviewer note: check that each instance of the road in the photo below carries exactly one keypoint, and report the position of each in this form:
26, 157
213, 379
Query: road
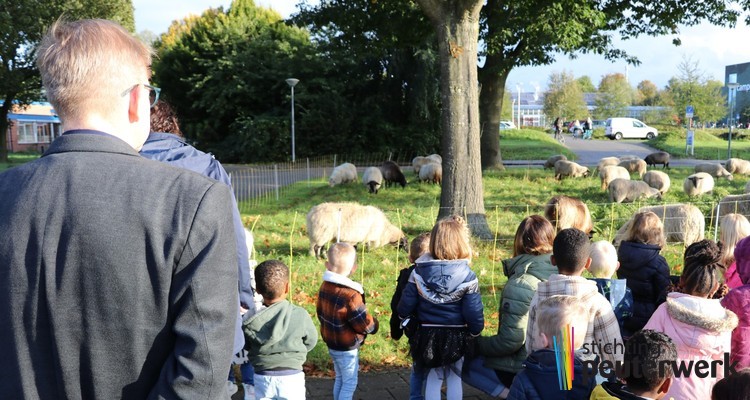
589, 152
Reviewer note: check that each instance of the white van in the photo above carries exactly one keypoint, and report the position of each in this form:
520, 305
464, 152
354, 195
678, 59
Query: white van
619, 128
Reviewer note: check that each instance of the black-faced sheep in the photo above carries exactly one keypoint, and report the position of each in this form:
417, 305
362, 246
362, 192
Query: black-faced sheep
657, 180
625, 190
635, 165
660, 157
565, 168
344, 173
372, 178
682, 223
698, 184
611, 172
738, 166
418, 162
714, 169
550, 163
432, 172
358, 224
392, 173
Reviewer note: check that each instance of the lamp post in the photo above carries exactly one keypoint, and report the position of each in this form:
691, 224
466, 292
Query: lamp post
518, 87
731, 86
291, 82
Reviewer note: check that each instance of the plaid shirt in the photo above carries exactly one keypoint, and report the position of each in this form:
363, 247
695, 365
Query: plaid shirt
344, 321
603, 327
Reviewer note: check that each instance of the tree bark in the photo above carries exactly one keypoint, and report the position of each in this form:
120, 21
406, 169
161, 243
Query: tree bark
4, 125
490, 108
457, 26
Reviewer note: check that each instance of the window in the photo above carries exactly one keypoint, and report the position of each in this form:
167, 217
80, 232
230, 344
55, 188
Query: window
43, 133
26, 133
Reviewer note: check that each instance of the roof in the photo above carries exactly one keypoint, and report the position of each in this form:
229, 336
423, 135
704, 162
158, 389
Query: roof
34, 118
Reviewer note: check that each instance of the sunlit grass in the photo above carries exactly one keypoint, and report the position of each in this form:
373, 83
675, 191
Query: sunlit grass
708, 144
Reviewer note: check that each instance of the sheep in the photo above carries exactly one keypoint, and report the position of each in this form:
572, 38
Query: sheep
418, 162
636, 165
550, 163
739, 204
625, 190
354, 222
660, 157
436, 158
372, 178
344, 173
698, 184
392, 173
607, 161
432, 172
682, 223
738, 166
611, 172
565, 168
629, 157
714, 169
657, 180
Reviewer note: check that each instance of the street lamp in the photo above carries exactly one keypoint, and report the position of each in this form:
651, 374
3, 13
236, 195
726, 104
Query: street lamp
518, 87
731, 85
291, 82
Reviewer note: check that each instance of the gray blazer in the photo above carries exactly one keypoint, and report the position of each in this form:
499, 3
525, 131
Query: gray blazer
118, 276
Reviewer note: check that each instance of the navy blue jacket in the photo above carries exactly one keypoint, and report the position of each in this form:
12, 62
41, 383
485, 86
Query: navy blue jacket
448, 294
539, 381
647, 274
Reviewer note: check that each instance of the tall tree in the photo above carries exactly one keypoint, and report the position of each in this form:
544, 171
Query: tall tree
564, 97
22, 25
648, 93
691, 87
584, 82
615, 96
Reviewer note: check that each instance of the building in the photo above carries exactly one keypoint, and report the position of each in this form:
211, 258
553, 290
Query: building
741, 95
32, 128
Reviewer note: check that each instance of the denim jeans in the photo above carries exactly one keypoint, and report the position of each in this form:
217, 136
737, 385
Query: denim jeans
346, 365
247, 372
416, 382
283, 387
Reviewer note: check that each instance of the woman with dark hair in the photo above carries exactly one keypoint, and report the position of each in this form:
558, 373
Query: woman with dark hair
505, 352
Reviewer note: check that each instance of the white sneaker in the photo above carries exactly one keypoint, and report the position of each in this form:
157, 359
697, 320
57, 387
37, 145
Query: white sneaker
231, 388
249, 391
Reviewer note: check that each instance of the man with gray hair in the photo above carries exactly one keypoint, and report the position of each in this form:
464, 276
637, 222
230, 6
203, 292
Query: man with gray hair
113, 268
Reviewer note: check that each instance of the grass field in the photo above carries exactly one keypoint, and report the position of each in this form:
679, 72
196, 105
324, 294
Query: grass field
529, 144
15, 159
708, 144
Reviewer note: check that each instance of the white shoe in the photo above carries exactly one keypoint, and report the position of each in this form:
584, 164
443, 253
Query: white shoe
249, 391
231, 388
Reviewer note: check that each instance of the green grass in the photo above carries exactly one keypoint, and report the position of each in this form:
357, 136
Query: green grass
280, 233
530, 144
15, 159
708, 143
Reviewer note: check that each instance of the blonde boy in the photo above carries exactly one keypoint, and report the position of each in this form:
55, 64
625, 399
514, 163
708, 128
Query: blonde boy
603, 260
344, 321
603, 266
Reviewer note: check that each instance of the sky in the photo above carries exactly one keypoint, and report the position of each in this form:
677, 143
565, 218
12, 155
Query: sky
712, 47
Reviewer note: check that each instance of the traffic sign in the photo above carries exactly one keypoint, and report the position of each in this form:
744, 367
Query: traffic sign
689, 112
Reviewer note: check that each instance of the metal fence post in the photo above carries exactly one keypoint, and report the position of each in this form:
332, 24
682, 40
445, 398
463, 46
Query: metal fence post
308, 171
276, 180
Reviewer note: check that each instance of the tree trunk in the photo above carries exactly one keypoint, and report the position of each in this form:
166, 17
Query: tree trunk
4, 125
457, 25
490, 108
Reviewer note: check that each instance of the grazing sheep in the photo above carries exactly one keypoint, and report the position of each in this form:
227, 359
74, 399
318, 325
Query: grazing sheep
636, 165
625, 190
550, 163
565, 168
738, 166
344, 173
372, 178
432, 172
607, 161
698, 184
660, 157
657, 180
629, 157
611, 172
568, 212
358, 224
392, 173
436, 158
418, 162
682, 223
739, 204
714, 169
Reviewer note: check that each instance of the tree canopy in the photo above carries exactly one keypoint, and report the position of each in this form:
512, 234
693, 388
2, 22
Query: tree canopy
691, 87
564, 97
615, 96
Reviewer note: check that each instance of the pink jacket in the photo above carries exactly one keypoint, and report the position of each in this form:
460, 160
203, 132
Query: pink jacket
738, 301
731, 277
701, 329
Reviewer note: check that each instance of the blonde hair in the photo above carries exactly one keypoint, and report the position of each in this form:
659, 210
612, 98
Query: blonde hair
556, 313
449, 239
419, 246
568, 212
734, 227
86, 65
341, 258
603, 259
646, 228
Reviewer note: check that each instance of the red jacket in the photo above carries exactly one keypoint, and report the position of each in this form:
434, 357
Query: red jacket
344, 321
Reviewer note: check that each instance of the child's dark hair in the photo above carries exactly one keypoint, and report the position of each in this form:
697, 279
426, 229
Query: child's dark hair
733, 387
533, 236
648, 354
703, 269
571, 250
419, 246
271, 277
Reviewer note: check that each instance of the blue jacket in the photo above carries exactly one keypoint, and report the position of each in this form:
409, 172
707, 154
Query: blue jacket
443, 292
624, 307
647, 274
539, 380
173, 150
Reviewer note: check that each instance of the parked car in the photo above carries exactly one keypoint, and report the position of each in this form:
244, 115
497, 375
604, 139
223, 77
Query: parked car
507, 125
620, 127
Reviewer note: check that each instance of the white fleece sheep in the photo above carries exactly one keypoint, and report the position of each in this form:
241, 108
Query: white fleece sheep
550, 163
738, 166
607, 161
657, 180
431, 172
611, 172
565, 168
344, 173
373, 179
625, 190
682, 223
418, 162
635, 165
698, 184
714, 169
739, 203
358, 224
436, 158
